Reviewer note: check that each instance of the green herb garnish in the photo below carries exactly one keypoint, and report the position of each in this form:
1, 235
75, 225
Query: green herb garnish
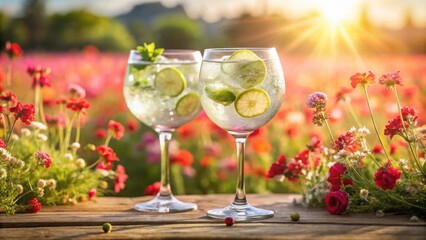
148, 52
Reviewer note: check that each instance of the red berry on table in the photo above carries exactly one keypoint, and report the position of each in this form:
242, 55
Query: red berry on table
229, 221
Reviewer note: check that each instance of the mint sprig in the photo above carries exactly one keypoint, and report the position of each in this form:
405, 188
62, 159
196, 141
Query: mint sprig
148, 52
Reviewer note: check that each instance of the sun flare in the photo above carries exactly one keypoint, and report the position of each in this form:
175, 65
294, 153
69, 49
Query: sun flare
337, 11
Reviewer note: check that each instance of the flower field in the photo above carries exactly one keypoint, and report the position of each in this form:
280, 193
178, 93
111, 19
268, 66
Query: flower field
202, 154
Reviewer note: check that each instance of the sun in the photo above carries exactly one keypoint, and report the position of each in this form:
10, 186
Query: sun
337, 11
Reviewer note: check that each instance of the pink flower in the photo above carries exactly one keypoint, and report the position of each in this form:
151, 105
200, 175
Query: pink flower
43, 158
13, 50
92, 193
132, 125
34, 206
2, 144
362, 78
40, 75
346, 142
76, 91
317, 100
120, 179
390, 80
102, 166
343, 94
116, 129
336, 202
153, 189
24, 112
107, 154
386, 177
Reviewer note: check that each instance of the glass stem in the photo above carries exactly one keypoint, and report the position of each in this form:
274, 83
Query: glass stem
240, 195
165, 137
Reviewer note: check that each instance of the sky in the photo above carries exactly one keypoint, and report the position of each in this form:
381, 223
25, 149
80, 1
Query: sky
386, 13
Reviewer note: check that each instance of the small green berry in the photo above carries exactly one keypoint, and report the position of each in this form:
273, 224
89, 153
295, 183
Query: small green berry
107, 227
294, 216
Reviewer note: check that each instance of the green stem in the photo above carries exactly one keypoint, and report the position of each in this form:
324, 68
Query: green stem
68, 132
374, 123
41, 109
37, 98
328, 126
351, 111
4, 126
108, 139
10, 132
77, 131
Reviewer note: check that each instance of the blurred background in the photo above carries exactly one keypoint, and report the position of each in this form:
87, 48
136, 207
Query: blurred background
321, 43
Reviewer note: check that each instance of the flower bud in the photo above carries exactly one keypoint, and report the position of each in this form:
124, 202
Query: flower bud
51, 183
42, 136
363, 194
75, 145
68, 156
25, 132
14, 137
91, 147
80, 163
40, 191
104, 185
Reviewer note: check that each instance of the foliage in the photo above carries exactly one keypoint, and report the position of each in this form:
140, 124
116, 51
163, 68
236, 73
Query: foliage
148, 52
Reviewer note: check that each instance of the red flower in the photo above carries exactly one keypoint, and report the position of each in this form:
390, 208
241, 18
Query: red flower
132, 125
33, 206
100, 133
102, 166
303, 157
336, 202
362, 78
378, 149
77, 104
40, 75
116, 129
43, 158
182, 157
153, 189
120, 179
108, 154
2, 144
92, 193
277, 168
346, 142
386, 177
294, 170
9, 97
391, 79
24, 112
13, 50
335, 176
394, 126
260, 144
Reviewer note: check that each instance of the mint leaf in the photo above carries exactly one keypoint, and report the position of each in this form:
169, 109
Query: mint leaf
148, 52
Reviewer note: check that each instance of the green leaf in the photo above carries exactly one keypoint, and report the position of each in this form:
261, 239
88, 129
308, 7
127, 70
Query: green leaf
148, 52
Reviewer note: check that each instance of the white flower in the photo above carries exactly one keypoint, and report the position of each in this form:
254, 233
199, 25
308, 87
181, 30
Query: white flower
14, 137
363, 131
25, 132
41, 183
75, 145
51, 183
104, 173
80, 163
38, 125
352, 130
68, 156
3, 173
42, 136
279, 177
342, 154
363, 194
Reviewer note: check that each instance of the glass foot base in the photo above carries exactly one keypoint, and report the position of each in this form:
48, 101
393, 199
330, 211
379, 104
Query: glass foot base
240, 213
165, 204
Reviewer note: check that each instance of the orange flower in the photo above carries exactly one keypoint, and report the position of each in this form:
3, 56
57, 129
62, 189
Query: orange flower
362, 78
261, 145
182, 157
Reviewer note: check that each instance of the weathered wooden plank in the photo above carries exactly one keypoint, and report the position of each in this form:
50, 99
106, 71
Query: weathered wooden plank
119, 211
220, 231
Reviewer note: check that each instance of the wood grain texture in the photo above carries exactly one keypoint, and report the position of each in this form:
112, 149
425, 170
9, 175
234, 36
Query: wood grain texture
85, 219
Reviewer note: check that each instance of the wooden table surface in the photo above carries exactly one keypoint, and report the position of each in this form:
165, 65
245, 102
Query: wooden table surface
84, 221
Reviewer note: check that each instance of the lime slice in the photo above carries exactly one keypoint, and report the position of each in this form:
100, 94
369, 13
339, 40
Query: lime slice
252, 103
188, 104
246, 68
222, 96
170, 82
